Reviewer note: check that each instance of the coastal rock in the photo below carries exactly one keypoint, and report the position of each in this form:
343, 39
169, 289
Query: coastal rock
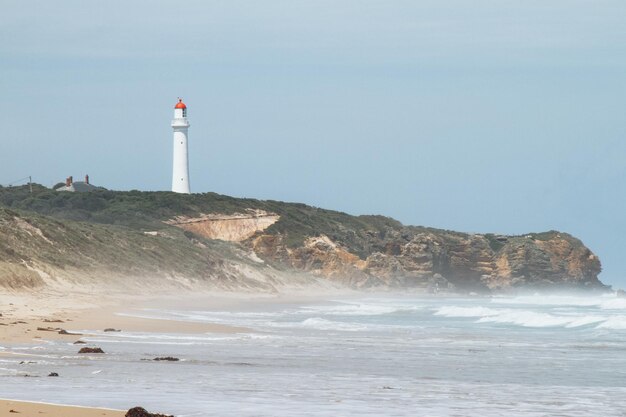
90, 350
544, 261
229, 227
141, 412
438, 260
166, 358
220, 242
48, 329
65, 332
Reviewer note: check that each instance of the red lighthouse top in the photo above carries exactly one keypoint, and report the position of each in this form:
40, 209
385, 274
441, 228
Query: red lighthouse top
180, 104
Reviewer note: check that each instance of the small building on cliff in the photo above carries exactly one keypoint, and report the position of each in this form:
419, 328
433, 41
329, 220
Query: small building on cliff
77, 186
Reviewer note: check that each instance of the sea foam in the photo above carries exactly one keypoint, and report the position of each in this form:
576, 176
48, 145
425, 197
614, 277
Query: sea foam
519, 317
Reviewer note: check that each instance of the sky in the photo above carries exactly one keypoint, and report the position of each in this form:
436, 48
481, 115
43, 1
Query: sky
480, 116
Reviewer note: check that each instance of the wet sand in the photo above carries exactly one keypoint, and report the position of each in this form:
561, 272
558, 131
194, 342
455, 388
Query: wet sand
33, 318
34, 409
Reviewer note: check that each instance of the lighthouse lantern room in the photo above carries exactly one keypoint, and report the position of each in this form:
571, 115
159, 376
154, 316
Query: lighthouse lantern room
180, 173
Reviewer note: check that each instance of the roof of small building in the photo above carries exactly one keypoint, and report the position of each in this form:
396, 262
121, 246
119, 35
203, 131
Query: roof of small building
80, 187
180, 104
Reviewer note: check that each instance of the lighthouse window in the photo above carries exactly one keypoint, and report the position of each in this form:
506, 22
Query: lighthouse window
184, 112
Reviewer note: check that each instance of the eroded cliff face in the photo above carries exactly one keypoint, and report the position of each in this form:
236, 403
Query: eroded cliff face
235, 243
397, 256
442, 260
39, 252
229, 227
544, 262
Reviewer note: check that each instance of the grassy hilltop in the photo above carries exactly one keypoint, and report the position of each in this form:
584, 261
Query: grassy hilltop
142, 210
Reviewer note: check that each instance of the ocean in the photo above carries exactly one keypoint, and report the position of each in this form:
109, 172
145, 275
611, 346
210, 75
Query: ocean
388, 355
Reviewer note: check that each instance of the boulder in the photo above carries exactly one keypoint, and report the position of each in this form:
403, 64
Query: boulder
63, 331
90, 350
141, 412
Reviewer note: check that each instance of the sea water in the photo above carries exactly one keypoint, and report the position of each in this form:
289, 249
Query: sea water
368, 356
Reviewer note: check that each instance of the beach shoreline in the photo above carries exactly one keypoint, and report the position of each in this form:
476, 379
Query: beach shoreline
38, 409
343, 353
33, 318
67, 315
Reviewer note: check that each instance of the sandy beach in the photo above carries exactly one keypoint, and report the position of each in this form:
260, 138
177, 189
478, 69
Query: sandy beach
34, 409
33, 318
294, 355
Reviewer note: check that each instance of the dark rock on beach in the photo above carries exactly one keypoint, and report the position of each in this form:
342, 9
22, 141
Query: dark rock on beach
141, 412
62, 331
53, 374
91, 350
45, 329
167, 358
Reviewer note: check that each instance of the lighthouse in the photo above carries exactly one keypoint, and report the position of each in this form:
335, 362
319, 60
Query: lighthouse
180, 172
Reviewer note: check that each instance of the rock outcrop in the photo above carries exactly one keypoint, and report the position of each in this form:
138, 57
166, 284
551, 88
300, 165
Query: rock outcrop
229, 227
141, 412
145, 240
442, 260
91, 350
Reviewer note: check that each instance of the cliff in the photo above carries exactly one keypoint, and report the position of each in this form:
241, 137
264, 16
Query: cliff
441, 260
38, 251
232, 243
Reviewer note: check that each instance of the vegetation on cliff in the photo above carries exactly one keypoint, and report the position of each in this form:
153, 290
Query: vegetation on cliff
107, 229
148, 210
39, 250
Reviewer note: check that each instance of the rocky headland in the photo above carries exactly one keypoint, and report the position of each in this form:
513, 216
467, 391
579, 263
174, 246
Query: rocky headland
154, 239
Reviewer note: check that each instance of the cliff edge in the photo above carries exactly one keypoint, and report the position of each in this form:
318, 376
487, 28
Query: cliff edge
123, 238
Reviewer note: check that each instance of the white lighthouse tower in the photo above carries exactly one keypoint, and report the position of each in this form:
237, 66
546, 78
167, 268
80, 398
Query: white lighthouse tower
180, 173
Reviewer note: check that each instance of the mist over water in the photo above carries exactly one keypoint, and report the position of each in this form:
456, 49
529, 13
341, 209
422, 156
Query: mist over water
554, 355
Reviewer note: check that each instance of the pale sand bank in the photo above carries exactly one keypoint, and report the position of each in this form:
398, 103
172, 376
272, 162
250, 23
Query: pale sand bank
38, 317
34, 409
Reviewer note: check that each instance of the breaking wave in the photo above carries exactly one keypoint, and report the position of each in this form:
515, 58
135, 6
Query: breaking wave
529, 318
534, 319
319, 323
357, 309
614, 323
453, 311
605, 302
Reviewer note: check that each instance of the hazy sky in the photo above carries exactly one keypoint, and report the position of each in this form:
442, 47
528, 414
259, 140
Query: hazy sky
481, 116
